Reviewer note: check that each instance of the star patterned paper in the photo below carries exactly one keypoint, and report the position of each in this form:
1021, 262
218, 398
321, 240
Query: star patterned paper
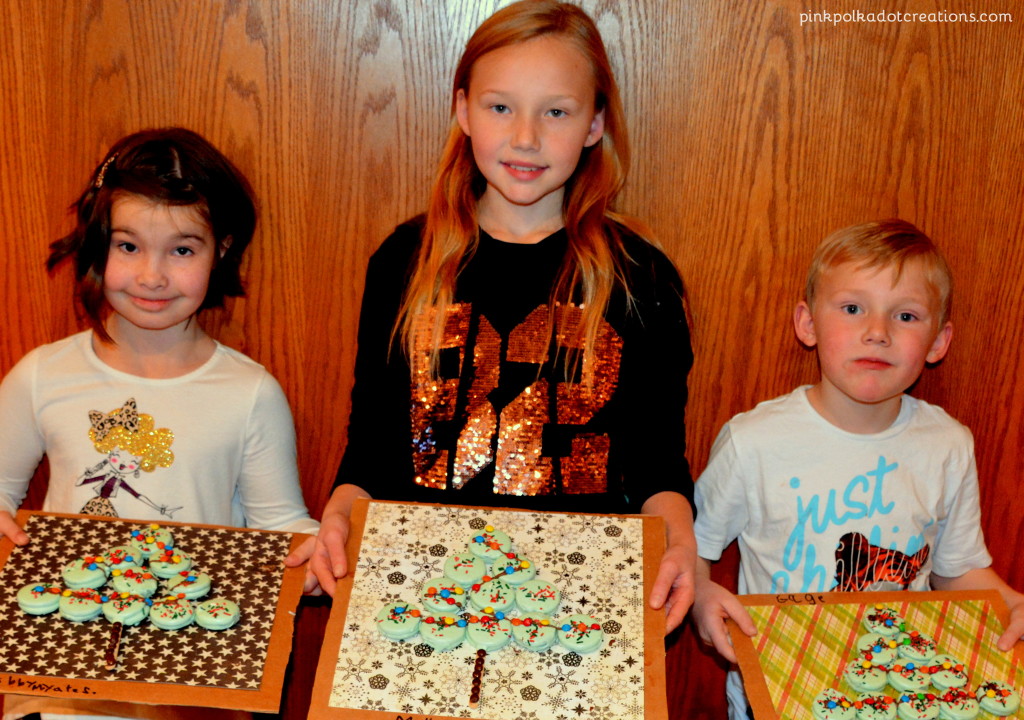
244, 566
595, 561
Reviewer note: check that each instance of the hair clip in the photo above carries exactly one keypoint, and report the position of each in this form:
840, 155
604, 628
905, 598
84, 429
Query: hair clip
103, 170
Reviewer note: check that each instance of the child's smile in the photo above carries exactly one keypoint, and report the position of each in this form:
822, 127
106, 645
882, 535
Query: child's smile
159, 262
529, 112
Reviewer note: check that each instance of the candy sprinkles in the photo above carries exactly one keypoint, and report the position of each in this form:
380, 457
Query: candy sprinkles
150, 552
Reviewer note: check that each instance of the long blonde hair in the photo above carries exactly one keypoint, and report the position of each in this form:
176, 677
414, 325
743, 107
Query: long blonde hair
595, 257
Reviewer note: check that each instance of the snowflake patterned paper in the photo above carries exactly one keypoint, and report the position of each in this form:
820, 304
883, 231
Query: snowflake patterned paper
596, 561
240, 667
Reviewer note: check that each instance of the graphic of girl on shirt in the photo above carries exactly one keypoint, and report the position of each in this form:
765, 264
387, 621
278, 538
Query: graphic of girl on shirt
131, 444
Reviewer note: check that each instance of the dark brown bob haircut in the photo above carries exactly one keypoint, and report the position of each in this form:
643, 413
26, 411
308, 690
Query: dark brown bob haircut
172, 166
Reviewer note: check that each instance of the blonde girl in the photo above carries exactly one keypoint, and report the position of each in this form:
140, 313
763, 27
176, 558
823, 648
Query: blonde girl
521, 344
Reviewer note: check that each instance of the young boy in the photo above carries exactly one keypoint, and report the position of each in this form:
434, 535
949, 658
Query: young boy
850, 484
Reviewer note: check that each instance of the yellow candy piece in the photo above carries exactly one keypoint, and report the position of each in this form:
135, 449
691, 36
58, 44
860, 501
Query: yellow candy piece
947, 665
545, 621
66, 593
115, 573
879, 606
448, 621
865, 663
525, 564
990, 693
149, 538
124, 595
489, 528
154, 526
489, 610
176, 558
100, 559
459, 591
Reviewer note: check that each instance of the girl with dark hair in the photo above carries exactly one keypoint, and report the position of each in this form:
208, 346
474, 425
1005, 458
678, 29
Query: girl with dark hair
185, 427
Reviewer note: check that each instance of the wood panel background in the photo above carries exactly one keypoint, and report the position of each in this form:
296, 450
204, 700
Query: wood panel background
754, 136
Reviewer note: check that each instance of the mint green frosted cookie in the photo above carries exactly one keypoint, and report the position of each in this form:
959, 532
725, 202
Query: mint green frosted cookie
879, 649
493, 596
998, 698
918, 706
217, 614
875, 706
864, 676
947, 672
126, 609
579, 633
883, 620
915, 646
85, 572
465, 568
80, 605
443, 631
443, 595
123, 557
536, 634
169, 563
958, 704
171, 613
909, 677
538, 597
151, 540
398, 620
136, 581
831, 704
39, 598
513, 569
489, 633
489, 544
193, 585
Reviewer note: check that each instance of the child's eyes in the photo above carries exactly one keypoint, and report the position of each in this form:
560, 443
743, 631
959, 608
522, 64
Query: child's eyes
557, 113
126, 246
183, 251
906, 317
851, 309
499, 108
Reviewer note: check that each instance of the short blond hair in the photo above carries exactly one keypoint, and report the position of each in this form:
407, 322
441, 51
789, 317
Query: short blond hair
879, 244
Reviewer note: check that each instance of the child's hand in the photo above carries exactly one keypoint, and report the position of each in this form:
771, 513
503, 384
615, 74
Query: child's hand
328, 563
300, 555
11, 529
712, 605
1014, 632
673, 586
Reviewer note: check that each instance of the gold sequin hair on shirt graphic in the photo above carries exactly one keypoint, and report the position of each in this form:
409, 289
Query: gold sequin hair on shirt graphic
132, 444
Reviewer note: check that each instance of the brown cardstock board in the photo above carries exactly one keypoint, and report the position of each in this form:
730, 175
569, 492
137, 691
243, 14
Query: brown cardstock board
747, 656
655, 701
266, 699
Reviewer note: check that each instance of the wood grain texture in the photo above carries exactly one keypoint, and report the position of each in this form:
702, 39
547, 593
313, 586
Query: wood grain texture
753, 137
